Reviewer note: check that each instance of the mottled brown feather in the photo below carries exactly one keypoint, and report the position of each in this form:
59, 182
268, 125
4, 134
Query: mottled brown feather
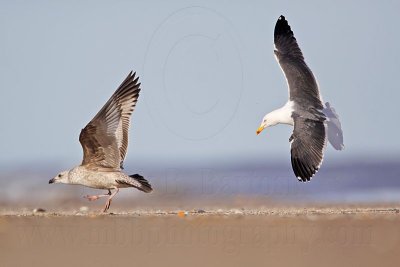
105, 138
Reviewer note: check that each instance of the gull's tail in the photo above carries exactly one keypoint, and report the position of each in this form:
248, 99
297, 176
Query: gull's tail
335, 133
144, 185
137, 181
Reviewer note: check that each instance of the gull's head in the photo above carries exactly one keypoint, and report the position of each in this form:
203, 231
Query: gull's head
62, 178
267, 121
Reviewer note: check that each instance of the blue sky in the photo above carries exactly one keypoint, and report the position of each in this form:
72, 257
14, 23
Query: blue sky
207, 70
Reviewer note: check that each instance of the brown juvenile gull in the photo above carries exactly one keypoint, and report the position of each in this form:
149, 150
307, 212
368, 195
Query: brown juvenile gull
105, 141
314, 123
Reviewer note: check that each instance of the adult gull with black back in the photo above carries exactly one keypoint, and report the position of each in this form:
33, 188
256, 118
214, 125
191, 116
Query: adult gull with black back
314, 123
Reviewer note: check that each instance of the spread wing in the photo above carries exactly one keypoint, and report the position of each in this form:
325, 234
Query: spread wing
309, 135
105, 138
301, 82
307, 146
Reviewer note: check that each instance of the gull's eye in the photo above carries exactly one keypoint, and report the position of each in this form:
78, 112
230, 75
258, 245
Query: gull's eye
59, 175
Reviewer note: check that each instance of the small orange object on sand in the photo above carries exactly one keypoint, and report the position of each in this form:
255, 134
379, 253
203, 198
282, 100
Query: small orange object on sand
181, 214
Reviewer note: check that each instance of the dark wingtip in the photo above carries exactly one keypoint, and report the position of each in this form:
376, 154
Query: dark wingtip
282, 27
284, 40
131, 75
303, 179
300, 170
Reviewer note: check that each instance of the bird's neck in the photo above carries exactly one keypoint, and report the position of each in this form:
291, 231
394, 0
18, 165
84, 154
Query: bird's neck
74, 175
284, 114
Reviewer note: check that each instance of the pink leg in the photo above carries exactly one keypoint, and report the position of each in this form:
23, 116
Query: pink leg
96, 197
108, 203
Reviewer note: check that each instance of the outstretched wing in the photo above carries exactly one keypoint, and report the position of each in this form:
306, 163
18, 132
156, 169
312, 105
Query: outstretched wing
301, 82
105, 138
307, 146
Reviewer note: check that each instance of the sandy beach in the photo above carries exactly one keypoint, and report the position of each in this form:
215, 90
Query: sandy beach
222, 217
341, 236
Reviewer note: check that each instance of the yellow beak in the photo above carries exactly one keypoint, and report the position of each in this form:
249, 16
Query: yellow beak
260, 129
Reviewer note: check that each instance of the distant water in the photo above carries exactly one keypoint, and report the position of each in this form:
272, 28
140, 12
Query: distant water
353, 182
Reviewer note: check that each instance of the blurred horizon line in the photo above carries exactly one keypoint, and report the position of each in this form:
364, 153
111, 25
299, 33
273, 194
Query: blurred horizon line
212, 162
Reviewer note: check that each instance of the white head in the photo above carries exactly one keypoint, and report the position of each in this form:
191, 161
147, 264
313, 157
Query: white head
271, 119
62, 177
